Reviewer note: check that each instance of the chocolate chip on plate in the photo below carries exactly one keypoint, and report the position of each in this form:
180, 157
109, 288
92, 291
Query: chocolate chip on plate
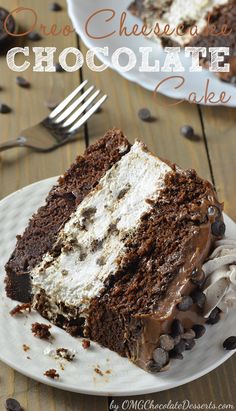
145, 114
199, 298
55, 7
214, 317
4, 108
189, 344
177, 339
218, 228
166, 342
185, 304
180, 348
152, 366
188, 335
22, 82
176, 356
199, 330
230, 343
214, 211
161, 357
177, 328
34, 36
198, 277
13, 405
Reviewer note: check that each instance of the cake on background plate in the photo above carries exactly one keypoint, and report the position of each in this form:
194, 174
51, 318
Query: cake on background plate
190, 13
116, 252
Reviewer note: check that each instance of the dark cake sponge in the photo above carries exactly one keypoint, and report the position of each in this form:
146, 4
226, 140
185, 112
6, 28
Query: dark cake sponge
41, 233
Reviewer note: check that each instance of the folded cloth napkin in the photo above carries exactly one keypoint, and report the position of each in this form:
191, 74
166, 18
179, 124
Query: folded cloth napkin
220, 271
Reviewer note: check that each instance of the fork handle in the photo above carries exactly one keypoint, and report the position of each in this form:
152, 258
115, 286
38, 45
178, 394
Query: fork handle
18, 142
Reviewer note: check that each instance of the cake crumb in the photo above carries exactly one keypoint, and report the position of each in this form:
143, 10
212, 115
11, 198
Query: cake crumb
98, 371
108, 372
62, 367
21, 309
52, 373
25, 347
41, 330
85, 344
65, 353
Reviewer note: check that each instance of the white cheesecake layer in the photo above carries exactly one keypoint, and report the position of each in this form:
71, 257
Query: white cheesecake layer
94, 236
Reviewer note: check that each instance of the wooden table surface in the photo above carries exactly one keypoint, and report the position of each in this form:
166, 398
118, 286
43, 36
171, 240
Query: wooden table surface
213, 157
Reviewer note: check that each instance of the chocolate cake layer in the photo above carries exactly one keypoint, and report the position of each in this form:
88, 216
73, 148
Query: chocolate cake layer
41, 233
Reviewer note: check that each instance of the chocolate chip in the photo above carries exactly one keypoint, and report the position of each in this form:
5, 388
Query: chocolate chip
199, 298
145, 114
214, 317
189, 344
176, 356
230, 343
199, 330
180, 348
198, 277
218, 228
4, 109
177, 328
34, 36
188, 335
22, 82
12, 405
152, 366
59, 68
177, 339
166, 342
214, 211
161, 357
187, 131
185, 304
55, 7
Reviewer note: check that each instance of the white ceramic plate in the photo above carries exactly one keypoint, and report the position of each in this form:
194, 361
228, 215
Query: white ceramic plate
80, 10
123, 378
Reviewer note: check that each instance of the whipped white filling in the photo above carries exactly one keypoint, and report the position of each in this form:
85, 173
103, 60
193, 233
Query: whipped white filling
182, 11
220, 270
94, 237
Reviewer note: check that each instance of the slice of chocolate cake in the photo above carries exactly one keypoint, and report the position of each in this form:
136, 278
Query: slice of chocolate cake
116, 253
198, 14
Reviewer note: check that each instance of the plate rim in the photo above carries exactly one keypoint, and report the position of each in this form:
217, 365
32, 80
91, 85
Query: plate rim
101, 392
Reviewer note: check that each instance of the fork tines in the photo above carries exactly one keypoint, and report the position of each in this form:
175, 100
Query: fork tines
67, 116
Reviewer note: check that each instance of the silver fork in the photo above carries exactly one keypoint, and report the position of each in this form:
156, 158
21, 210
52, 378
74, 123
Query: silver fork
62, 124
